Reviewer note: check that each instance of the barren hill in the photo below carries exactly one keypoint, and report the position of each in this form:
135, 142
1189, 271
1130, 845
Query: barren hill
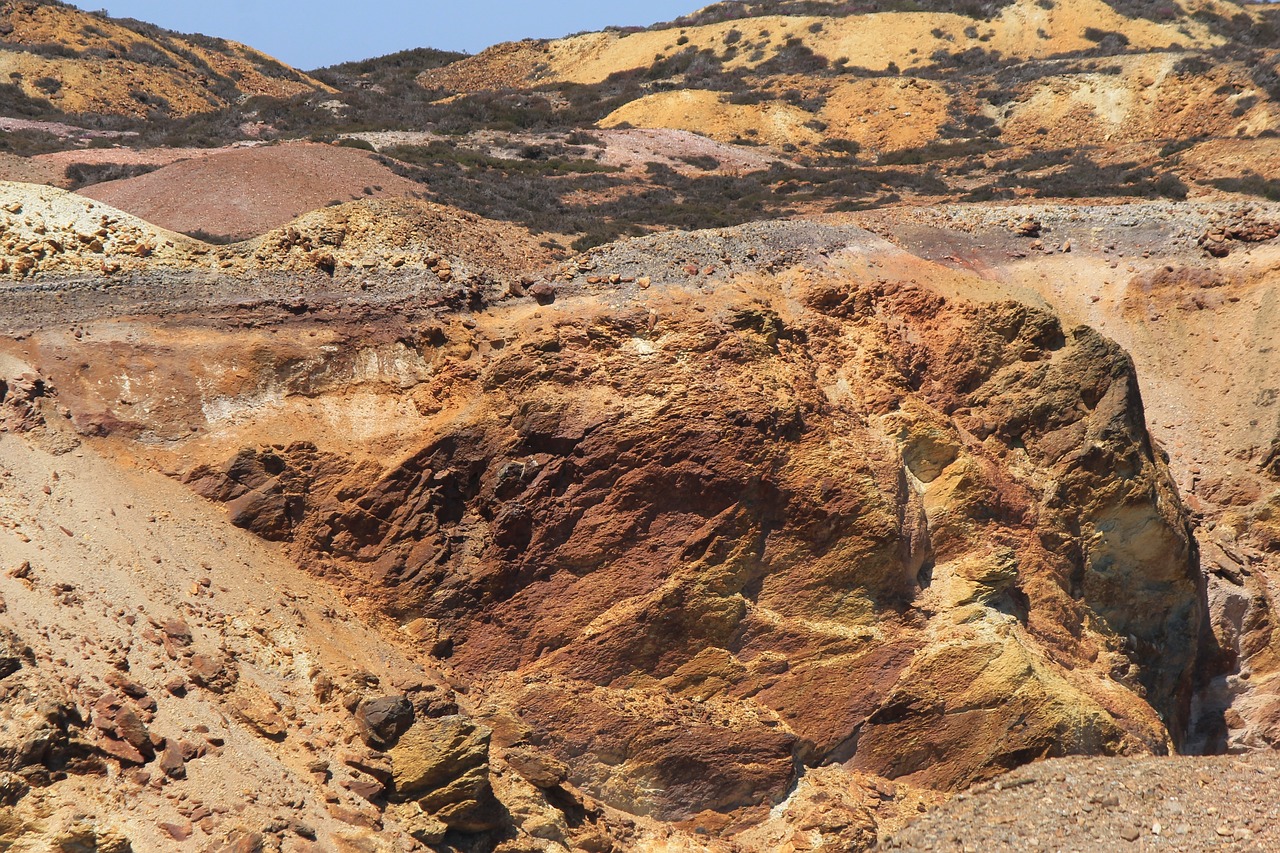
85, 63
243, 193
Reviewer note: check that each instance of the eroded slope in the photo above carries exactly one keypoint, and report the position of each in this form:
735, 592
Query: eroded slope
778, 510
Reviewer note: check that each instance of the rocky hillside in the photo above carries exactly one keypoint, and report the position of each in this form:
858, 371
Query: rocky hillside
689, 528
783, 429
77, 62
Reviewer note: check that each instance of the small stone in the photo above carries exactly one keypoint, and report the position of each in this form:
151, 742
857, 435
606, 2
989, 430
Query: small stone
177, 831
1130, 833
364, 786
211, 673
1028, 228
178, 631
172, 762
125, 753
354, 817
131, 729
383, 720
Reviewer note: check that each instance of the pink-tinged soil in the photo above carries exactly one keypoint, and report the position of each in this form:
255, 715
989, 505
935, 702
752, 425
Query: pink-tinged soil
241, 193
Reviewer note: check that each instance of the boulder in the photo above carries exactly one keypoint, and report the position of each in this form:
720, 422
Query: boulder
444, 765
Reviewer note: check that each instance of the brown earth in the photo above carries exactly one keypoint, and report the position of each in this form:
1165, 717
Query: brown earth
244, 192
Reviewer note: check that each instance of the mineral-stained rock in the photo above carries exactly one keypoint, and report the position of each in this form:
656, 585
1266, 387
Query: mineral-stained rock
171, 760
539, 770
88, 834
212, 672
443, 763
43, 733
266, 513
177, 830
543, 292
363, 785
253, 706
12, 788
682, 546
804, 530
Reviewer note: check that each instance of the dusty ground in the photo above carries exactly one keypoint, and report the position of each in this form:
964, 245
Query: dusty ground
1077, 805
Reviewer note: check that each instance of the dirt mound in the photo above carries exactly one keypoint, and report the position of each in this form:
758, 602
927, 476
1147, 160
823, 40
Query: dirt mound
404, 234
28, 170
1166, 96
680, 149
241, 193
125, 156
50, 232
495, 68
84, 63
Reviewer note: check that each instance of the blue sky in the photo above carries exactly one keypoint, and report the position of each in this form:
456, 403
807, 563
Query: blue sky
313, 33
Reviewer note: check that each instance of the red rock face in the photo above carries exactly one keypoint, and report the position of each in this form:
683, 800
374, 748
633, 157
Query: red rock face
834, 520
701, 547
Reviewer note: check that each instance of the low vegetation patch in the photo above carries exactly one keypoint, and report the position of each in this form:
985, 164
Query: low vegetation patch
87, 174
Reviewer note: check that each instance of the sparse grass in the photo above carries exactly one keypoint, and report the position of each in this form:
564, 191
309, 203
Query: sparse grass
29, 143
741, 10
1080, 176
212, 239
87, 174
940, 150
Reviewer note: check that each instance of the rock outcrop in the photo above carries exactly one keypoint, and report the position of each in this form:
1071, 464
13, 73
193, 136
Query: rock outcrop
700, 537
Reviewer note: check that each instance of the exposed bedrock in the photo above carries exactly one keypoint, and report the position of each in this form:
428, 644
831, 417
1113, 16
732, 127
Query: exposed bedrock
825, 518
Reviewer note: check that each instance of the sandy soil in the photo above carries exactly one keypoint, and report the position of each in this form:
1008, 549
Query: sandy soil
109, 565
121, 84
710, 114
